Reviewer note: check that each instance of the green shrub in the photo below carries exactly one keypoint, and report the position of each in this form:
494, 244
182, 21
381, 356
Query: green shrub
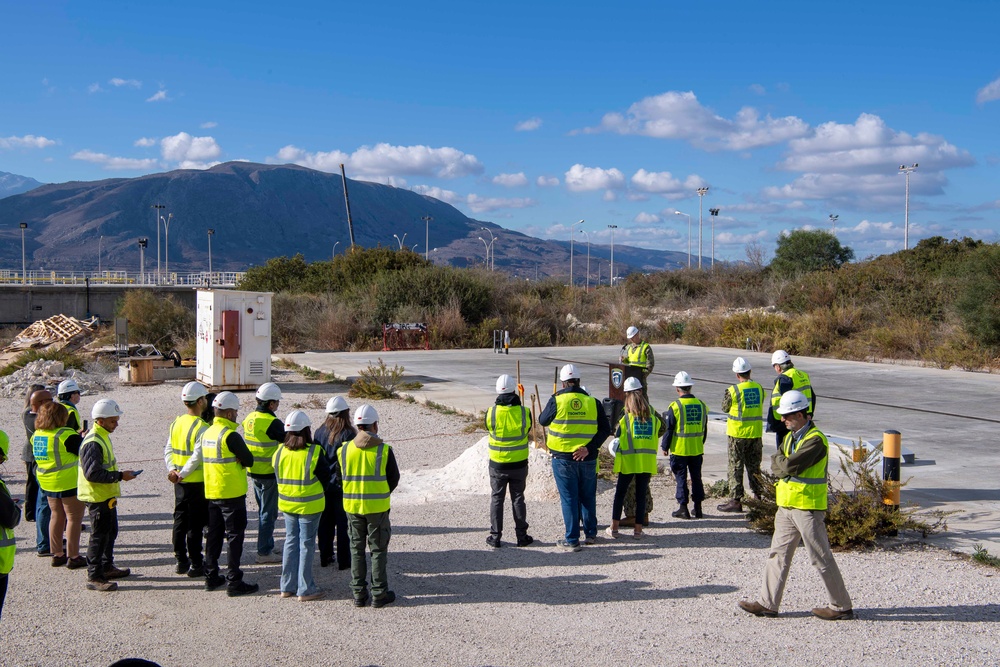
158, 320
378, 381
982, 556
68, 359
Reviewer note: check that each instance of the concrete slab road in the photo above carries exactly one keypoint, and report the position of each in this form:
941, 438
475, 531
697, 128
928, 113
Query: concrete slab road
947, 418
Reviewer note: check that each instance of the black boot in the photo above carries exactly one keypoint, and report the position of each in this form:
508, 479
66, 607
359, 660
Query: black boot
697, 511
681, 513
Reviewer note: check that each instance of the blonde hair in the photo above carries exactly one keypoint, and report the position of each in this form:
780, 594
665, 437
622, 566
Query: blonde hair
637, 405
51, 416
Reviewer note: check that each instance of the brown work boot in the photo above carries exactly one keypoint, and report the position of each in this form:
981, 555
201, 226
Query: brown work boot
757, 609
828, 614
116, 573
102, 585
731, 506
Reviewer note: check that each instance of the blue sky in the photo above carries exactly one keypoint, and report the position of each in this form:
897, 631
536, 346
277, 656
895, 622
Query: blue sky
535, 115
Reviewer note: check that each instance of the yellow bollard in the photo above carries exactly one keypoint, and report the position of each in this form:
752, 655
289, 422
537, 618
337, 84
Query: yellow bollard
891, 449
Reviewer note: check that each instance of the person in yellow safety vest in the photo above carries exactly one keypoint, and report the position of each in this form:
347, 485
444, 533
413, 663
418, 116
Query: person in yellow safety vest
68, 393
57, 451
743, 402
370, 475
639, 354
98, 485
10, 517
801, 494
788, 378
190, 506
634, 449
263, 432
302, 472
577, 429
222, 457
509, 425
684, 439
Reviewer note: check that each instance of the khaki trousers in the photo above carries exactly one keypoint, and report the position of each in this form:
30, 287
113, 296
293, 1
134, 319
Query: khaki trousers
790, 525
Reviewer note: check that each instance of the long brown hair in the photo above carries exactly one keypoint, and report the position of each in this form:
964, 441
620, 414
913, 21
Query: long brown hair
337, 423
298, 439
51, 416
637, 405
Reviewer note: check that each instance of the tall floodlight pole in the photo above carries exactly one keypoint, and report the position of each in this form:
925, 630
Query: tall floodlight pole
612, 279
427, 236
157, 208
100, 243
701, 198
714, 212
689, 234
211, 233
584, 231
903, 169
24, 261
833, 222
578, 222
143, 242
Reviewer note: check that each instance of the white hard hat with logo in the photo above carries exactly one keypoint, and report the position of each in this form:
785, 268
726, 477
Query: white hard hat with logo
506, 384
366, 415
682, 379
632, 331
269, 392
226, 400
632, 384
105, 408
741, 365
67, 387
335, 405
568, 372
296, 421
780, 357
792, 401
192, 391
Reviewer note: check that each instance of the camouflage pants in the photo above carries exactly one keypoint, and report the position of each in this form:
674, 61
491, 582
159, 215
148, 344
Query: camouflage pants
629, 507
744, 453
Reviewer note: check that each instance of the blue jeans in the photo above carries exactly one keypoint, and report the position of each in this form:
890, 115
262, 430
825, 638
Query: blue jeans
265, 490
43, 516
577, 484
297, 558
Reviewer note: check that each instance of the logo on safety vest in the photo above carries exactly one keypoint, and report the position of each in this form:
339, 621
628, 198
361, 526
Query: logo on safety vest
617, 377
576, 404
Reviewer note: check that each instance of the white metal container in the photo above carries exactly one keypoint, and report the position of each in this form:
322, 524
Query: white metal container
234, 339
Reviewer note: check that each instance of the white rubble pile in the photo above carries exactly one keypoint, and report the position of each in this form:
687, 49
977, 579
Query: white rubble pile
49, 373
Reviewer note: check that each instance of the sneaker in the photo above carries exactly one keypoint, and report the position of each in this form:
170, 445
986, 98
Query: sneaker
268, 558
196, 571
102, 585
361, 601
638, 536
116, 573
388, 598
312, 596
590, 539
493, 541
182, 567
828, 614
286, 594
241, 588
212, 583
681, 513
59, 561
569, 546
76, 563
757, 609
525, 541
731, 506
611, 533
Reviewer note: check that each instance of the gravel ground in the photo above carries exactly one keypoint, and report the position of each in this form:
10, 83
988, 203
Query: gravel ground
667, 600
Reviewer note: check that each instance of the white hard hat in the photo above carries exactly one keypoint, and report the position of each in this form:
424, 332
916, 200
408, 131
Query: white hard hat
268, 392
741, 365
792, 401
104, 408
569, 372
67, 387
632, 384
506, 385
780, 357
682, 379
335, 405
632, 331
366, 414
296, 421
226, 400
192, 391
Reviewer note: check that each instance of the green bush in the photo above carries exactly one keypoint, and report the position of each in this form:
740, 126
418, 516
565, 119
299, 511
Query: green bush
802, 251
68, 359
378, 381
158, 320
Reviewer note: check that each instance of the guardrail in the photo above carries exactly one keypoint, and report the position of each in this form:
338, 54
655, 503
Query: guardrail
202, 279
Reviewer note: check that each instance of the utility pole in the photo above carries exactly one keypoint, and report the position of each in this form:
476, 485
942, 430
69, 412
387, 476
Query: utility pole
347, 203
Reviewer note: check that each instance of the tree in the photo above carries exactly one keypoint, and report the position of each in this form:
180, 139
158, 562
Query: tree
809, 250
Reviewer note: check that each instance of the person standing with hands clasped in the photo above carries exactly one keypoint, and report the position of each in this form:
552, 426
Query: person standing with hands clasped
801, 491
98, 485
634, 449
508, 423
684, 439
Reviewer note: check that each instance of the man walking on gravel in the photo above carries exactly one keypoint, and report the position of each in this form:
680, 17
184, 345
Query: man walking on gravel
800, 466
743, 402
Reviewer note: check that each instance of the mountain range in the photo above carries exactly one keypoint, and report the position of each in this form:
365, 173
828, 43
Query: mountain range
12, 184
260, 211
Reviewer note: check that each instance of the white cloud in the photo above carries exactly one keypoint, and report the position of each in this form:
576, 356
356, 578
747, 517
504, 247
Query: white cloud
584, 179
190, 152
482, 204
644, 218
511, 180
666, 184
94, 88
208, 125
116, 163
872, 189
27, 141
131, 83
528, 125
448, 196
679, 115
145, 142
757, 89
158, 96
547, 181
989, 92
387, 160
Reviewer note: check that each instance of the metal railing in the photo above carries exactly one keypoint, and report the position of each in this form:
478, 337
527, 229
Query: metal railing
200, 279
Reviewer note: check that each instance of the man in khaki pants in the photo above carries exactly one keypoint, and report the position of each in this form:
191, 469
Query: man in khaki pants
800, 465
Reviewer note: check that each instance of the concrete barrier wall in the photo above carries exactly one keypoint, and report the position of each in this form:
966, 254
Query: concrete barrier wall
23, 304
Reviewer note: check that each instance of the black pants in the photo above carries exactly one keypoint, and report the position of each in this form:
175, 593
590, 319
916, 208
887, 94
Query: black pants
30, 490
3, 591
226, 518
500, 481
103, 533
621, 490
333, 523
681, 466
190, 517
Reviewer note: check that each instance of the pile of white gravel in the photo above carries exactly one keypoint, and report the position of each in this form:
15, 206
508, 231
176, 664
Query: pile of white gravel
50, 373
669, 599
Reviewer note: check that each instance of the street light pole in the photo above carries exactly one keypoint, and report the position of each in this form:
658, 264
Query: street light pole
334, 250
578, 222
143, 242
701, 198
166, 245
491, 265
24, 261
903, 169
100, 242
714, 212
156, 209
211, 233
487, 245
689, 234
427, 236
611, 281
833, 222
584, 231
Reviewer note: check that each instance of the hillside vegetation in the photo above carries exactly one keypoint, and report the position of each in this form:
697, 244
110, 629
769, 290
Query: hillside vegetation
936, 302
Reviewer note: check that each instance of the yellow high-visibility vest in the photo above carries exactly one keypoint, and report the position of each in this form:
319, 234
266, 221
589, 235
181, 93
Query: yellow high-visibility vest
508, 429
366, 486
